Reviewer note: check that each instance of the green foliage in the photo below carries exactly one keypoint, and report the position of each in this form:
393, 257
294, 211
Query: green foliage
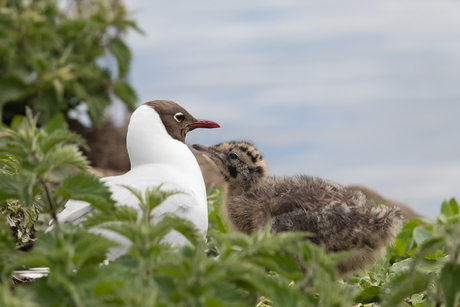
226, 269
50, 56
421, 267
37, 172
216, 221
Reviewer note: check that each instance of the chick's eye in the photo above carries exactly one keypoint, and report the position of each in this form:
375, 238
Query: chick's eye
179, 117
232, 156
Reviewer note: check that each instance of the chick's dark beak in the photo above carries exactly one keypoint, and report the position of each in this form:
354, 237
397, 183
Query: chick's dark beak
205, 150
201, 148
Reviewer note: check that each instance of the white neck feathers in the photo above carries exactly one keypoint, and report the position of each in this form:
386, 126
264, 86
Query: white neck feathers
149, 142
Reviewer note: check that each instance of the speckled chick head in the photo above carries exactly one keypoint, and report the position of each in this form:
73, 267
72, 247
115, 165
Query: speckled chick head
239, 162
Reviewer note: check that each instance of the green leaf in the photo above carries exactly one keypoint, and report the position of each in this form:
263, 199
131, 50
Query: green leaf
122, 54
12, 88
154, 197
60, 137
410, 225
69, 154
185, 227
454, 205
429, 246
450, 283
97, 102
368, 295
10, 297
136, 193
8, 251
402, 286
125, 214
213, 302
126, 93
46, 104
10, 187
108, 287
16, 122
416, 299
126, 229
446, 209
449, 208
87, 187
423, 266
378, 272
400, 246
435, 256
283, 263
421, 234
56, 123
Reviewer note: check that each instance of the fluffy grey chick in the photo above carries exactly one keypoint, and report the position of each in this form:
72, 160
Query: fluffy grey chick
339, 218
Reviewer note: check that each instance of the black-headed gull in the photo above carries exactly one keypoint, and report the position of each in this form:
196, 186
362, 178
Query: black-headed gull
158, 156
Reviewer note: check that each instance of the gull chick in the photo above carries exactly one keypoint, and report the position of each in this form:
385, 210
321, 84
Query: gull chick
339, 218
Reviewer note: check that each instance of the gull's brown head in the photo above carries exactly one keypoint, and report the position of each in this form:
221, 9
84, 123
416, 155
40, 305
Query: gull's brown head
177, 121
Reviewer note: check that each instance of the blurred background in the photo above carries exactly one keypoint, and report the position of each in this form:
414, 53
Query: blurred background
358, 92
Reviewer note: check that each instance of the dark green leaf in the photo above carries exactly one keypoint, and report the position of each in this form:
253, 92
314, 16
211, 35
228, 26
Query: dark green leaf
283, 263
126, 93
450, 283
8, 251
97, 102
122, 54
87, 187
12, 88
368, 295
47, 105
10, 187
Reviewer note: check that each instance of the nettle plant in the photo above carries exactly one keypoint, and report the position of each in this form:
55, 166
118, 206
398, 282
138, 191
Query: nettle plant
42, 168
56, 56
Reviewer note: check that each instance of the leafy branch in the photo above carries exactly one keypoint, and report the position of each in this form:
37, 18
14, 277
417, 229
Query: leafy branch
50, 57
43, 157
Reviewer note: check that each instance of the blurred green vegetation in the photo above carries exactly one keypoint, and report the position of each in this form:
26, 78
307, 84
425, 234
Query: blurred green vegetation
56, 55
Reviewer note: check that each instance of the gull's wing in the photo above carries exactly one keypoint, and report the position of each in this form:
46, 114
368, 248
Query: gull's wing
184, 204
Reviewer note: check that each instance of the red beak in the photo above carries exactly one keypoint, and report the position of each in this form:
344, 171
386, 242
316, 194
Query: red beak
204, 123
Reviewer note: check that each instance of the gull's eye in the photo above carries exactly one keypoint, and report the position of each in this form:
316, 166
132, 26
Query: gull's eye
179, 117
233, 156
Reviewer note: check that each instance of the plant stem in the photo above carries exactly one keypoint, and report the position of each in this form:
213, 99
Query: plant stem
52, 207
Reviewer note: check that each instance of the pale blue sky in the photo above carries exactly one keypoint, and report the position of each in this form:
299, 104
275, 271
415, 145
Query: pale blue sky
358, 92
